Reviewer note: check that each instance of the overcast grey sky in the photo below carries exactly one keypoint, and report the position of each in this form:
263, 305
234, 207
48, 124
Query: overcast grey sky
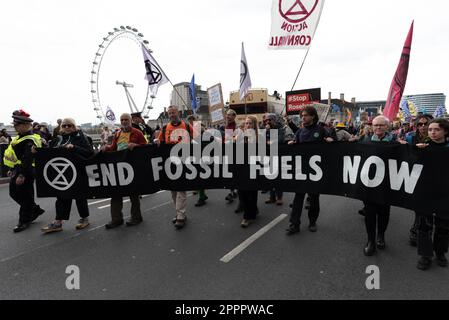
48, 46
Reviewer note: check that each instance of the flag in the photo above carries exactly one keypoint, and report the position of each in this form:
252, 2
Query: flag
406, 111
192, 91
110, 116
399, 80
294, 22
335, 108
401, 116
412, 108
245, 79
439, 112
154, 73
349, 116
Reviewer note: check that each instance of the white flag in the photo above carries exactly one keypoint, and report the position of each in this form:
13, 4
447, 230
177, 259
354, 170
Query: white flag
110, 116
245, 79
294, 22
154, 73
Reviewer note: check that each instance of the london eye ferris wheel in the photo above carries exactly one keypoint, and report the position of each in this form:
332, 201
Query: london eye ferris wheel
113, 36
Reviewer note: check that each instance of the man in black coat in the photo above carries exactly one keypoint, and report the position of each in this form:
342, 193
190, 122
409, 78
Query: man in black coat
310, 132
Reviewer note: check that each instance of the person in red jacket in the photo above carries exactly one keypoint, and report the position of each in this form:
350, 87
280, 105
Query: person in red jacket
126, 138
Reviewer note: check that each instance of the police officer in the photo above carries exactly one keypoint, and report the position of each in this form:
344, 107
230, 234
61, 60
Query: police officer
139, 124
19, 157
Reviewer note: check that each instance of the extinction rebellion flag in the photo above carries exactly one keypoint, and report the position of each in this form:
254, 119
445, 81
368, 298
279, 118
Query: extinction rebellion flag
293, 23
155, 76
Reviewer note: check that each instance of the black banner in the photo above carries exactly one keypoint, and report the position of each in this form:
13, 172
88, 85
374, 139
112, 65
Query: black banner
394, 174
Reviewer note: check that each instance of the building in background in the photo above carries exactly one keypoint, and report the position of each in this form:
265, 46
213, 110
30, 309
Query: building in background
340, 109
371, 108
258, 102
180, 97
426, 103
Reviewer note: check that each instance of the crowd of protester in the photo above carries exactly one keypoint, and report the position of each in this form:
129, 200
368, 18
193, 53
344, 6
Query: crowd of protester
422, 132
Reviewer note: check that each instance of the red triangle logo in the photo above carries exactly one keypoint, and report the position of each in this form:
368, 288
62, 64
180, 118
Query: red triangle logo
297, 6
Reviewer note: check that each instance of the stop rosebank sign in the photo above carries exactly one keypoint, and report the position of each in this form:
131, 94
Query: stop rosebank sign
297, 11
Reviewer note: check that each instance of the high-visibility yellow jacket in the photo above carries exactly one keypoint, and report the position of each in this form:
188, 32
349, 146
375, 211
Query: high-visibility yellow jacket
10, 158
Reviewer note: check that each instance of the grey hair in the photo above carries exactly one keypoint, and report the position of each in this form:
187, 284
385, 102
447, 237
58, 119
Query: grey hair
126, 115
387, 121
70, 121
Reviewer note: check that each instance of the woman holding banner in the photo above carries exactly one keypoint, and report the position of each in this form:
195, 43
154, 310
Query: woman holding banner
248, 198
70, 138
438, 134
421, 135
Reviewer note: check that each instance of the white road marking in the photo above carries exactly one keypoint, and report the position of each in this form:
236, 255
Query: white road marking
126, 201
73, 236
97, 202
239, 249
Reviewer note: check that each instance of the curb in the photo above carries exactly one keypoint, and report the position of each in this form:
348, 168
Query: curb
4, 181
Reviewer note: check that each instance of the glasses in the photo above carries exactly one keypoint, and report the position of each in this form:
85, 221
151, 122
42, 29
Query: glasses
422, 124
67, 126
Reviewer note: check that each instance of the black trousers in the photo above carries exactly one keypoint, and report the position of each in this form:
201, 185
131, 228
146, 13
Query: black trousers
298, 203
248, 201
440, 243
64, 206
376, 215
414, 228
24, 196
117, 206
3, 169
276, 194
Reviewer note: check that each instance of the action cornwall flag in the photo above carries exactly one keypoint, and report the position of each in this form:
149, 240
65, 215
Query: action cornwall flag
192, 91
154, 73
245, 79
294, 22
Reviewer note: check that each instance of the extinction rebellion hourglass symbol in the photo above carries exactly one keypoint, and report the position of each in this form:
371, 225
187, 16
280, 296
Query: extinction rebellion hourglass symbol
153, 73
296, 11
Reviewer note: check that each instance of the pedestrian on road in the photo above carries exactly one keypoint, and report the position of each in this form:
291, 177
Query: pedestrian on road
139, 124
229, 132
248, 198
5, 140
70, 138
428, 221
20, 158
310, 131
106, 136
377, 216
57, 129
273, 124
175, 132
420, 136
127, 138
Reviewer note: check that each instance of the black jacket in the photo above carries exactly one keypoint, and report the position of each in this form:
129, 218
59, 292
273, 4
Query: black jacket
78, 139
